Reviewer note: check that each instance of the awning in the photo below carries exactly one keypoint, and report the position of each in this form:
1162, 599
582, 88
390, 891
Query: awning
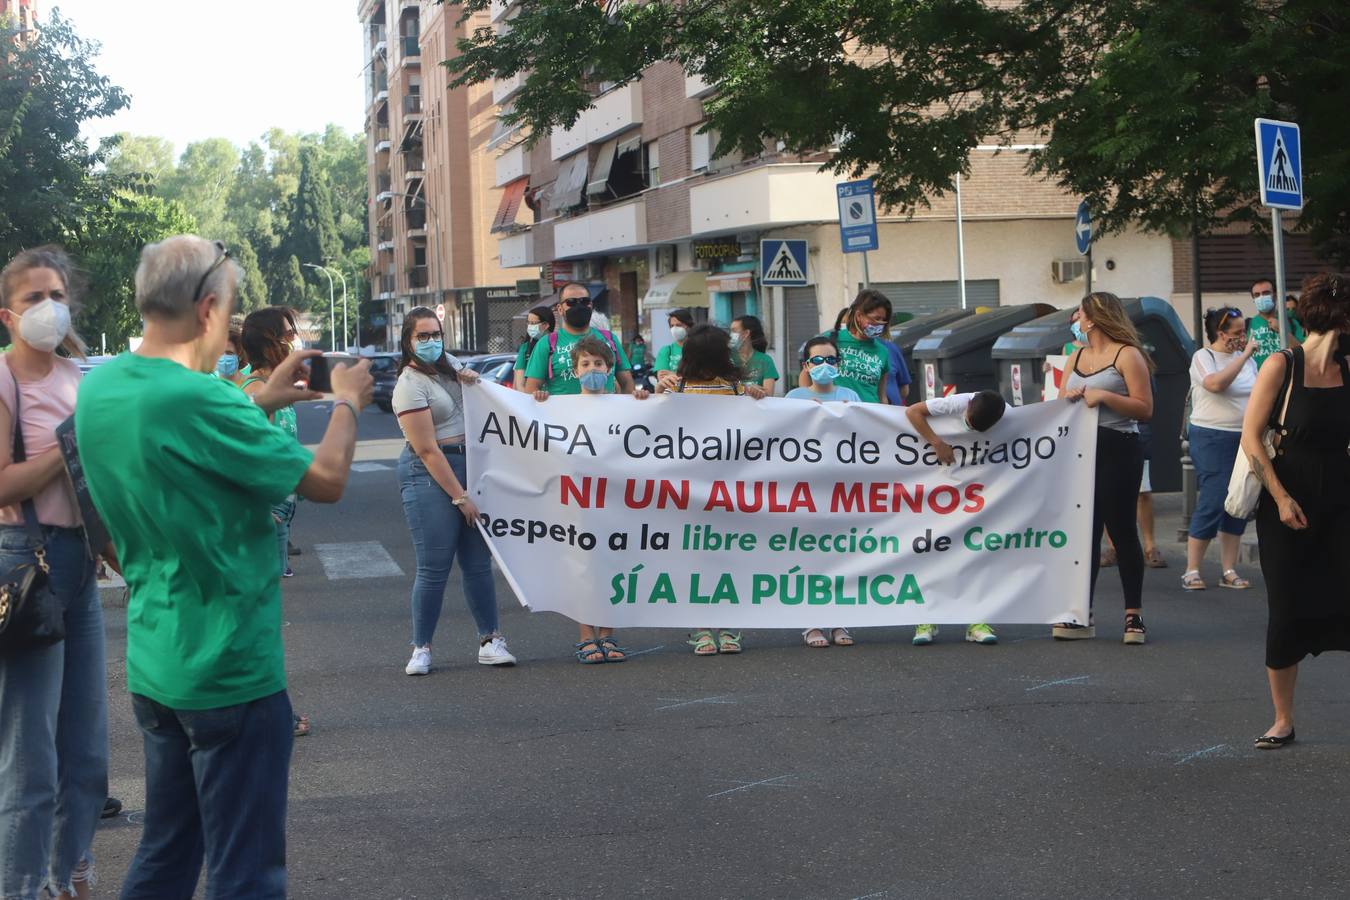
509, 208
599, 180
731, 282
569, 190
679, 289
629, 144
502, 132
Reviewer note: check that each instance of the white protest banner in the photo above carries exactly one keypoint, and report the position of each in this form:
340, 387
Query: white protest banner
704, 512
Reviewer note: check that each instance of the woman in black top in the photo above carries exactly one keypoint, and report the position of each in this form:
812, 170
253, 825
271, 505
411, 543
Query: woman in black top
1303, 519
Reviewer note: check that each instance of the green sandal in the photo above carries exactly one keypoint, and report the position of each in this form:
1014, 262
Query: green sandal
703, 643
610, 647
728, 642
589, 657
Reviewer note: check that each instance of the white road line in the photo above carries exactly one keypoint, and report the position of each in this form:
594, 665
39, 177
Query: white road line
359, 559
370, 467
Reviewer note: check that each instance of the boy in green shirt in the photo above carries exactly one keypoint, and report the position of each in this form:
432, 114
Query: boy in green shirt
183, 468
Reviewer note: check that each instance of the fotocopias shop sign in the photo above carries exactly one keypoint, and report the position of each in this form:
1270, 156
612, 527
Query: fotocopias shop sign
687, 511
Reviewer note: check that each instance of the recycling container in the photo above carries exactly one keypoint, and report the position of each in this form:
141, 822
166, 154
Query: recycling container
906, 334
956, 358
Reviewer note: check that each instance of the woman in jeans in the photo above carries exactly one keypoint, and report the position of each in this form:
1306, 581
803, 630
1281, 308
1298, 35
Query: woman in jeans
428, 401
1111, 374
53, 700
1222, 377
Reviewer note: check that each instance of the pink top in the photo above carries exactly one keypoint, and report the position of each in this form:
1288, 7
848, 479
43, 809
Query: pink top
45, 404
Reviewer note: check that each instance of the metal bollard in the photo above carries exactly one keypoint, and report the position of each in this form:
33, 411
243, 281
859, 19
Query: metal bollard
1188, 490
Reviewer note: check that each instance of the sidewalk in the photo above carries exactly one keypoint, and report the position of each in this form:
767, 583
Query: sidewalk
1170, 527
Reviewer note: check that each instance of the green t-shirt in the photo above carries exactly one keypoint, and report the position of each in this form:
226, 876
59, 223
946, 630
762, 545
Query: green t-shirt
523, 357
184, 470
283, 418
757, 368
668, 358
862, 365
1267, 337
563, 380
637, 354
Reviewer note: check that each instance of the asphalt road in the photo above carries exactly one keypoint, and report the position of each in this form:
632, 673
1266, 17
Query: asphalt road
1029, 769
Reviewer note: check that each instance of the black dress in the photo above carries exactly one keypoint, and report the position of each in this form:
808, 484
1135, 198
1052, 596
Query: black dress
1308, 572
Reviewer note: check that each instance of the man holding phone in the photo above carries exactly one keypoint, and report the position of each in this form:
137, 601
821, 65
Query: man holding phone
183, 468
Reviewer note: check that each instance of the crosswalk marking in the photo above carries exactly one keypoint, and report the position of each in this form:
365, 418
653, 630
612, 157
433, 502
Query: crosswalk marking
370, 467
359, 559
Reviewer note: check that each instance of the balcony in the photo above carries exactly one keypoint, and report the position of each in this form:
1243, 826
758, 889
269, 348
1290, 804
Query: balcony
763, 197
385, 240
377, 40
417, 219
612, 113
384, 189
412, 49
613, 228
417, 277
517, 250
500, 8
504, 89
412, 105
388, 286
511, 165
382, 142
695, 86
413, 165
566, 142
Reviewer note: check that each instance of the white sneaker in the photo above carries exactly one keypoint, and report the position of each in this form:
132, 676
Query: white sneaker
420, 664
494, 653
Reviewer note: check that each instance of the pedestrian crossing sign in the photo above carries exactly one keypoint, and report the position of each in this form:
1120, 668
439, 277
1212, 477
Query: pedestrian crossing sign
782, 263
1279, 163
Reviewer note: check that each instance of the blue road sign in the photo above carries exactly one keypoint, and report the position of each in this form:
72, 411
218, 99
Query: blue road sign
782, 263
1082, 228
1279, 162
857, 216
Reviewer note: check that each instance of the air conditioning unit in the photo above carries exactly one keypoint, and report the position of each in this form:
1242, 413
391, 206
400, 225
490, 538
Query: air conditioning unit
1064, 271
665, 259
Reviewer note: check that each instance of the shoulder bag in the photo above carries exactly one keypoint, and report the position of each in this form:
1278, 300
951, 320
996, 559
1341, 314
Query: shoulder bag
1244, 488
31, 617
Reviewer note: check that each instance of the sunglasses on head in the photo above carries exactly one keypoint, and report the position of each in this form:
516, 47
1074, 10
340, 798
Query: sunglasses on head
222, 255
1228, 312
819, 360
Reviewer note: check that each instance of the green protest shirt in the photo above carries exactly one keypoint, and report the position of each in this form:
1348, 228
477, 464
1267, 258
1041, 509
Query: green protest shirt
184, 470
564, 381
523, 357
757, 368
1267, 337
862, 365
668, 358
637, 354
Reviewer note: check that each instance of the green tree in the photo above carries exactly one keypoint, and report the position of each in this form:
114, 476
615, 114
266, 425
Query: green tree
48, 89
203, 182
140, 156
311, 233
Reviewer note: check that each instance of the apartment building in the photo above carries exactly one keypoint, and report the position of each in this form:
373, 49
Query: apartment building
431, 179
22, 13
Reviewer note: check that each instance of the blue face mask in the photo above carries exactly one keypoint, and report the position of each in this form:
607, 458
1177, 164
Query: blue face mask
228, 365
874, 331
430, 352
594, 381
1078, 334
823, 373
1265, 303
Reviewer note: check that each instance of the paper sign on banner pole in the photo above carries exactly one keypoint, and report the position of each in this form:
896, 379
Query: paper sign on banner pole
682, 511
1054, 376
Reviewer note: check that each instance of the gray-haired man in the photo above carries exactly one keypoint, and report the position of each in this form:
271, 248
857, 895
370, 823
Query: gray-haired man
184, 468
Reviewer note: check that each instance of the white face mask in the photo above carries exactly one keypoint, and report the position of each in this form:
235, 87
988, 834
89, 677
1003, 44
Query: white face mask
735, 340
678, 333
534, 330
45, 325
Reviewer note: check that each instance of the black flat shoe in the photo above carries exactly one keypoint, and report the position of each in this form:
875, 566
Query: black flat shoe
111, 807
1271, 742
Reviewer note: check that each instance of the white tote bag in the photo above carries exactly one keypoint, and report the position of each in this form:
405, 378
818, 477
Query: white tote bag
1244, 488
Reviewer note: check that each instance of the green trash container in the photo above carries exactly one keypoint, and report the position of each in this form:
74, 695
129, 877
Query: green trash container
907, 334
956, 358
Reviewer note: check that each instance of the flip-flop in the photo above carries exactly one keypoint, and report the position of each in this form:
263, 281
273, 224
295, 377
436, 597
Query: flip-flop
841, 637
820, 641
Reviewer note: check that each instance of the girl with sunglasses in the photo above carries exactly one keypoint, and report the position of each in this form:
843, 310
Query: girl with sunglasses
820, 362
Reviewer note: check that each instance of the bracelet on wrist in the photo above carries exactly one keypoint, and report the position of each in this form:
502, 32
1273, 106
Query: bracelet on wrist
347, 403
460, 500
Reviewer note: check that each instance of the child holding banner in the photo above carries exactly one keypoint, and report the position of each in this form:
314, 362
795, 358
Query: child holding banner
978, 412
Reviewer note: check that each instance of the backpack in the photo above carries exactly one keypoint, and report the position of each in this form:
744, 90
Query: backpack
553, 348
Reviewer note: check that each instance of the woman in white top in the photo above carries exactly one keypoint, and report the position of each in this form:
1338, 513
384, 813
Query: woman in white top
428, 400
1222, 377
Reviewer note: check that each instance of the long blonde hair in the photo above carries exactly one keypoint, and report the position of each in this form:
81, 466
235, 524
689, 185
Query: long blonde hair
54, 258
1107, 313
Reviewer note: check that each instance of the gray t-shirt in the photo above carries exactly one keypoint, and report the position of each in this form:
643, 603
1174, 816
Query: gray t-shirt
442, 394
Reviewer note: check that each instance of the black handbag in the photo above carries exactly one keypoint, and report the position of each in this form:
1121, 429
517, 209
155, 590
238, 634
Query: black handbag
31, 617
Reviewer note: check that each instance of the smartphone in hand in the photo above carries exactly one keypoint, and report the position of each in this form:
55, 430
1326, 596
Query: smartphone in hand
321, 370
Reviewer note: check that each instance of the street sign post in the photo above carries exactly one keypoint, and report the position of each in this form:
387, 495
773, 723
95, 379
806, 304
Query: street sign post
1279, 167
858, 220
1082, 236
782, 263
440, 312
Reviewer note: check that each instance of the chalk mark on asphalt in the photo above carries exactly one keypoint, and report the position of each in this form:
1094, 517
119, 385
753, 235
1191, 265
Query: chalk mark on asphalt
675, 702
746, 785
1077, 679
359, 559
1199, 753
872, 896
648, 650
370, 467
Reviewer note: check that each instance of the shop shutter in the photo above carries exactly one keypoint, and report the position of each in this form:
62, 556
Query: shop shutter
803, 323
922, 297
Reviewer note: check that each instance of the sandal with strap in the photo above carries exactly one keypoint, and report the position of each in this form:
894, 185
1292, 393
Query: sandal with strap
704, 643
1135, 632
815, 637
1231, 579
1191, 581
728, 642
841, 637
1154, 559
613, 652
591, 656
300, 724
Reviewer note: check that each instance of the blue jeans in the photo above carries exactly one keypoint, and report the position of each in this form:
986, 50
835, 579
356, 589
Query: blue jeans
282, 515
1213, 453
53, 728
215, 788
439, 534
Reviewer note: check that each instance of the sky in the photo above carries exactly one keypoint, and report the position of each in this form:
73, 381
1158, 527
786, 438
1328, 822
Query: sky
228, 69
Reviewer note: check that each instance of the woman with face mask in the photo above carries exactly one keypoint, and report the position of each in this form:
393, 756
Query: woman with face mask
538, 324
230, 365
748, 346
864, 364
668, 357
53, 699
432, 474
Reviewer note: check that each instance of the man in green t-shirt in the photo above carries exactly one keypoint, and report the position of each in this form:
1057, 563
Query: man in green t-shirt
184, 467
550, 367
1264, 328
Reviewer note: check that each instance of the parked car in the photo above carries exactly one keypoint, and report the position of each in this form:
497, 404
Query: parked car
499, 368
384, 370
